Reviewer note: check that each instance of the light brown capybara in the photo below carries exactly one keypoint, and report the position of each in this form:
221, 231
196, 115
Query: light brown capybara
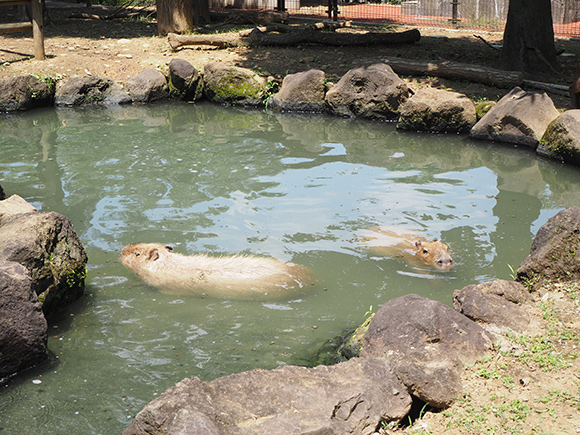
236, 276
411, 246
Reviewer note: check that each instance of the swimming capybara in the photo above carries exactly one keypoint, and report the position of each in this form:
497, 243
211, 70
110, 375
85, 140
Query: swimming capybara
237, 276
411, 246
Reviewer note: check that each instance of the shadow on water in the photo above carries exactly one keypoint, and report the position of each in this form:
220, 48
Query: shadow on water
220, 180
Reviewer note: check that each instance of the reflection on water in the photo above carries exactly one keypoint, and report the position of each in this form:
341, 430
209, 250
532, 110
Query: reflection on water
209, 179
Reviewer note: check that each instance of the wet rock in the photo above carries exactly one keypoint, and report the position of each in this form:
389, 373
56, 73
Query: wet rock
554, 255
226, 84
26, 92
370, 92
23, 328
499, 303
353, 397
47, 245
562, 138
438, 111
301, 92
519, 117
78, 91
427, 343
148, 86
185, 80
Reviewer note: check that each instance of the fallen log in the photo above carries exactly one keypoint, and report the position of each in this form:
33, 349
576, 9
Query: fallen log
309, 36
457, 71
295, 37
548, 87
284, 28
221, 41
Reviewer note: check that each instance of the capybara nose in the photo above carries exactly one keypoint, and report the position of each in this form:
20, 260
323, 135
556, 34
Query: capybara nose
445, 262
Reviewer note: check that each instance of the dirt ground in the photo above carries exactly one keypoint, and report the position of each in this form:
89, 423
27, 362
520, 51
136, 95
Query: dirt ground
120, 49
532, 388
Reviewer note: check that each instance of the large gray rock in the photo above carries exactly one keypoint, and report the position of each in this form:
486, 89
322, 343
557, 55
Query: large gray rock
561, 140
78, 91
499, 303
554, 253
301, 92
519, 117
23, 329
47, 245
371, 92
427, 344
26, 92
353, 397
225, 84
147, 86
185, 80
438, 111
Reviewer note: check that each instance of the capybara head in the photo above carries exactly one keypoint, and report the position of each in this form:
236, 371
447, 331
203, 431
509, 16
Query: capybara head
435, 253
132, 256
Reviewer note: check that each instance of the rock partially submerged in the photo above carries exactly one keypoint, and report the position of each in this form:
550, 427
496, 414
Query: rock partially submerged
561, 139
554, 255
23, 328
47, 245
148, 86
26, 92
437, 111
226, 84
368, 92
80, 91
354, 397
301, 92
519, 117
185, 81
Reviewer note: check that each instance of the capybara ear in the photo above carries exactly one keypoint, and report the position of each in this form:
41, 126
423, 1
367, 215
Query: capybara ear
153, 254
169, 248
418, 243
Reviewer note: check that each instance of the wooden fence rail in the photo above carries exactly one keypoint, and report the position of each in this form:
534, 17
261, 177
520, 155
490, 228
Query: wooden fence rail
35, 24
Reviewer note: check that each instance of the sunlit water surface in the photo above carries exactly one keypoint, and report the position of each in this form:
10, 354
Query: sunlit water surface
219, 180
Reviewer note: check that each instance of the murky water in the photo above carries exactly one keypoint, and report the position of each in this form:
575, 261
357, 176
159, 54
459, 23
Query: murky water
210, 179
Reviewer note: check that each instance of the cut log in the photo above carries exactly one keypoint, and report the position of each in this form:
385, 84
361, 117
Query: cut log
457, 71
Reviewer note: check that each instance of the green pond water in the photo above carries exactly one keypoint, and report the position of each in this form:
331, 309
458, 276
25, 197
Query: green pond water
219, 180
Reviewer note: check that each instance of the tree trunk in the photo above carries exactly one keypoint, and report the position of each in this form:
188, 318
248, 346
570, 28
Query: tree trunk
201, 12
175, 16
528, 43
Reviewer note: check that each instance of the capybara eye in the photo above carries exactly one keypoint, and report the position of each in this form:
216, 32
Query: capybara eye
137, 254
425, 251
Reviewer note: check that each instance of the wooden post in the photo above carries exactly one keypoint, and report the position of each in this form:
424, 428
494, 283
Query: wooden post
37, 29
36, 25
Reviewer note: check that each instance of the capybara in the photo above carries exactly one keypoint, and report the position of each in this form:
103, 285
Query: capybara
411, 246
236, 276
